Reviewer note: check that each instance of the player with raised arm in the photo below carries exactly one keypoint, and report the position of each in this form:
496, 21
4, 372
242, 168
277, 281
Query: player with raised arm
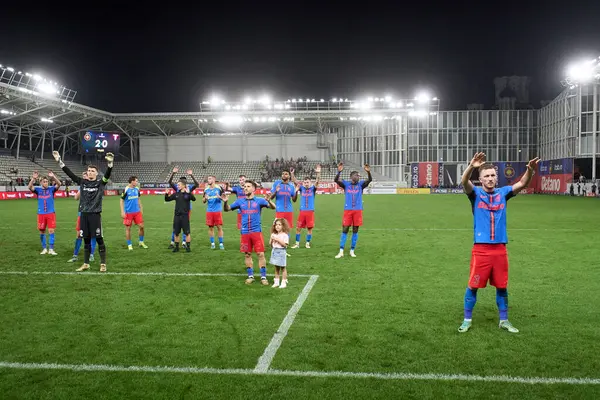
284, 192
306, 193
79, 232
131, 212
489, 259
191, 188
46, 215
252, 238
90, 206
353, 205
214, 213
181, 220
240, 194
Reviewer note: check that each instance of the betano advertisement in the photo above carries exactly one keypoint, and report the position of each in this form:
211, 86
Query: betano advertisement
554, 176
426, 174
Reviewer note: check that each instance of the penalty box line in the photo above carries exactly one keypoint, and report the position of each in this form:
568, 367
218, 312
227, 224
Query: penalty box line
307, 374
184, 274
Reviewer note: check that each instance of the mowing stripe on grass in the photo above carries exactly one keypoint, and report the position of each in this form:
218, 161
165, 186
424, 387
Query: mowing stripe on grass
308, 374
264, 362
188, 274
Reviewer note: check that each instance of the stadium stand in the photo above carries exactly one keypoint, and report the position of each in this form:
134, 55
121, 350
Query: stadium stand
154, 172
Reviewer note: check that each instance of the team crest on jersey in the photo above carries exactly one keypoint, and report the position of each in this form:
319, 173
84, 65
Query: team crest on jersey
87, 137
509, 171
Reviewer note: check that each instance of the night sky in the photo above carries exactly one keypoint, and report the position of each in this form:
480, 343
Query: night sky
152, 58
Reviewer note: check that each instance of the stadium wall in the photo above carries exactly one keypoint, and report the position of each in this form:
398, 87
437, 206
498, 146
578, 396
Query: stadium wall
230, 148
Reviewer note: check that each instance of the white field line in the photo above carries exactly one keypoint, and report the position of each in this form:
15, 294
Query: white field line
165, 228
308, 374
264, 362
185, 274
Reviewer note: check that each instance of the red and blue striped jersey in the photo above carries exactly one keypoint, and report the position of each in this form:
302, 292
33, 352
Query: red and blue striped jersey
283, 196
45, 199
307, 198
250, 210
489, 214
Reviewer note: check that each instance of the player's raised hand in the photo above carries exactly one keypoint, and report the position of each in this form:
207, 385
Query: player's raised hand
478, 160
532, 164
268, 195
56, 155
340, 167
225, 197
292, 170
35, 175
189, 172
277, 188
318, 168
367, 168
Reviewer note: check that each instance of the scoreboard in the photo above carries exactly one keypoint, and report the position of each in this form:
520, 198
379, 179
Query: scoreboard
101, 142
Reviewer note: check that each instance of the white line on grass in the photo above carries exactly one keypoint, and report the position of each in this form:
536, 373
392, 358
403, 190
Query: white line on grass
264, 362
166, 229
188, 274
308, 374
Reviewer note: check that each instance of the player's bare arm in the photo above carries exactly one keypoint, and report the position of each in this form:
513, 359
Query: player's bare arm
33, 179
77, 195
318, 171
476, 162
57, 182
367, 168
122, 202
293, 177
226, 206
196, 183
271, 204
337, 179
527, 176
61, 164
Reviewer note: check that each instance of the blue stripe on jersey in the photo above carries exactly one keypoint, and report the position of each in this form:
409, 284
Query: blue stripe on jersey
214, 199
131, 197
307, 198
250, 210
45, 199
489, 214
283, 196
353, 195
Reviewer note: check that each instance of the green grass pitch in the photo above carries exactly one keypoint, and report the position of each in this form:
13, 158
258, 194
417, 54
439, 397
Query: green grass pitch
393, 309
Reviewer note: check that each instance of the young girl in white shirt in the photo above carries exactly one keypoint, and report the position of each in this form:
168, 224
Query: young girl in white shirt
280, 240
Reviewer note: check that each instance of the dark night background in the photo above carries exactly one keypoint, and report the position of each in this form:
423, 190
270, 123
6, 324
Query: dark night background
166, 57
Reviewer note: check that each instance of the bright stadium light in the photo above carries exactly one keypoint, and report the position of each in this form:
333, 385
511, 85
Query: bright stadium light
583, 72
422, 98
231, 120
388, 98
248, 100
47, 120
265, 100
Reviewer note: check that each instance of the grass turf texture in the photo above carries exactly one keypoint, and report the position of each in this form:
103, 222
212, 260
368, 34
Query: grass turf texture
394, 308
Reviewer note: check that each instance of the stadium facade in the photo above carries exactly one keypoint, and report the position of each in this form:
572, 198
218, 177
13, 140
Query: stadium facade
388, 134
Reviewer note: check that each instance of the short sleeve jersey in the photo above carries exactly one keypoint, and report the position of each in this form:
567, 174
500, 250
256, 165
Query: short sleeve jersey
489, 214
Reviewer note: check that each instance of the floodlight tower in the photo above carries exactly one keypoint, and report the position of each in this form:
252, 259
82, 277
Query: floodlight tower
34, 84
586, 73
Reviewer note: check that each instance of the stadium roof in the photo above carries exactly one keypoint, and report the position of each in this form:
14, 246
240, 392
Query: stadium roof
36, 113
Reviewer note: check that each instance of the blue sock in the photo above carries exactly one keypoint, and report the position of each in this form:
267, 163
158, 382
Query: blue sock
298, 237
263, 272
183, 237
470, 300
141, 238
308, 238
51, 240
343, 240
43, 239
250, 271
173, 237
77, 246
220, 239
502, 303
129, 243
212, 240
93, 245
354, 240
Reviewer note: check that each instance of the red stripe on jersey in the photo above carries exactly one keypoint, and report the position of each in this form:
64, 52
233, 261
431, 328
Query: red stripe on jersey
492, 222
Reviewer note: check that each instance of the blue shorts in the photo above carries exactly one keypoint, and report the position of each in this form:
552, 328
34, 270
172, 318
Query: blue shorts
278, 257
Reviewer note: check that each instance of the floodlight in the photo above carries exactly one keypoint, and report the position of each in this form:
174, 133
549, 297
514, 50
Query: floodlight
47, 120
321, 100
214, 100
248, 100
582, 72
231, 120
422, 98
10, 69
369, 99
265, 100
334, 100
388, 98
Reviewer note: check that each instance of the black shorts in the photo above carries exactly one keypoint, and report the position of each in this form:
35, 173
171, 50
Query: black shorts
90, 225
181, 223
